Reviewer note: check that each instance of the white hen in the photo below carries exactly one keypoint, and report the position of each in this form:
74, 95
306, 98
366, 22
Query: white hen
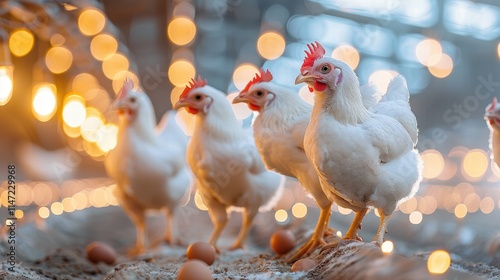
365, 158
492, 117
148, 162
228, 168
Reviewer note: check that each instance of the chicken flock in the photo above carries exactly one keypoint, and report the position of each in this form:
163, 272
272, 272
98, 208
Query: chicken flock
353, 147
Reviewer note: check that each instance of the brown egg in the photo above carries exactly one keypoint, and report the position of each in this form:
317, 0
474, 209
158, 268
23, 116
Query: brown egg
282, 241
194, 270
101, 252
303, 265
201, 251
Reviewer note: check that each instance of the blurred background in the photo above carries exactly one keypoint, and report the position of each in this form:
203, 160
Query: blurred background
63, 61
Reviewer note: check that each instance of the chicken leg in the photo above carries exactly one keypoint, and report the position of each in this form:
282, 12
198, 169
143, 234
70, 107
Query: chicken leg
352, 232
379, 237
218, 215
169, 236
248, 216
317, 237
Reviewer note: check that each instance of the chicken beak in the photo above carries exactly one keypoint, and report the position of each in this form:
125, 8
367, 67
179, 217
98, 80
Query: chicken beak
240, 99
181, 104
304, 79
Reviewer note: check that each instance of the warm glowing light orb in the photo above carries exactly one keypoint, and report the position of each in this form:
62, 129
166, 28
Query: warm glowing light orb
102, 46
181, 31
58, 59
6, 84
198, 201
271, 45
44, 101
387, 247
347, 54
114, 64
487, 205
433, 163
344, 211
181, 72
83, 83
243, 74
57, 208
460, 211
74, 112
382, 78
428, 52
443, 67
299, 210
439, 261
281, 215
43, 212
415, 217
21, 42
91, 22
475, 163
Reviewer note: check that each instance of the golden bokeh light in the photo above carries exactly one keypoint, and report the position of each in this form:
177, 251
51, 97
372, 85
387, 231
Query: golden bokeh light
72, 132
382, 78
181, 72
69, 204
415, 217
90, 128
198, 201
473, 202
271, 45
120, 77
387, 247
498, 50
97, 198
439, 261
347, 54
409, 206
44, 101
487, 205
83, 83
428, 52
74, 112
42, 194
108, 139
114, 64
81, 201
460, 211
6, 84
57, 40
443, 67
91, 22
339, 233
306, 95
181, 31
299, 210
102, 46
21, 42
281, 216
57, 208
43, 212
243, 74
241, 110
433, 163
344, 211
175, 94
58, 59
475, 164
19, 214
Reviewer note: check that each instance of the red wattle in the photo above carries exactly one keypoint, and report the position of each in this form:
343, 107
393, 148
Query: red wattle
310, 89
192, 110
253, 107
319, 86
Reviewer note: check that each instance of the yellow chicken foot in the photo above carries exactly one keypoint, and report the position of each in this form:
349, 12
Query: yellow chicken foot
352, 232
248, 217
317, 237
379, 237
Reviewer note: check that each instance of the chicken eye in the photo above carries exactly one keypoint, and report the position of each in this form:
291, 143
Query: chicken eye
132, 99
198, 97
259, 93
326, 69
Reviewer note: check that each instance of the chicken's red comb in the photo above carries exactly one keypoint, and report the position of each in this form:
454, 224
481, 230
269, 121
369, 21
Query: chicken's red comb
265, 76
493, 104
315, 52
192, 85
128, 85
